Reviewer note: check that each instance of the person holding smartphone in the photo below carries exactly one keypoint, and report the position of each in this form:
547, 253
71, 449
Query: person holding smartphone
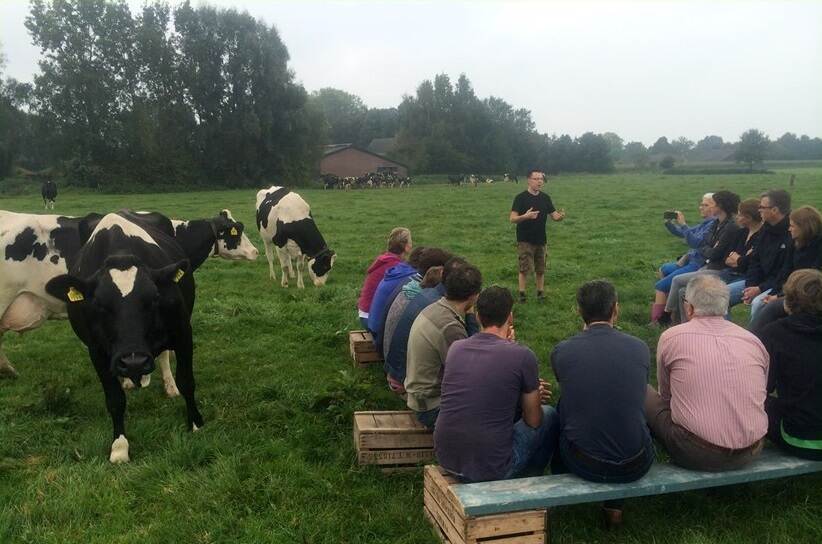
530, 212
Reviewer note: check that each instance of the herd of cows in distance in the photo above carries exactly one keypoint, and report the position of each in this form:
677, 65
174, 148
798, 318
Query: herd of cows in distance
125, 281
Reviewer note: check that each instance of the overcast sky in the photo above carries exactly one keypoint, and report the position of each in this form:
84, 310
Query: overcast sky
640, 69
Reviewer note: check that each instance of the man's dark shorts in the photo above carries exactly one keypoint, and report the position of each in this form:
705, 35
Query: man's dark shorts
531, 257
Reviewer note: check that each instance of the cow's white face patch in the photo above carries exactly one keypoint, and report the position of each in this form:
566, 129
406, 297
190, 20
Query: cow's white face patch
119, 450
124, 279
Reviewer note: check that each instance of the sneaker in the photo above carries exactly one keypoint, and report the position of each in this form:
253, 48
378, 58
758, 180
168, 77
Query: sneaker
540, 296
522, 298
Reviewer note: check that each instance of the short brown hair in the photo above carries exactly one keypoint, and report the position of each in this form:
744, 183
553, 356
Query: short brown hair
803, 292
397, 240
432, 278
809, 221
750, 209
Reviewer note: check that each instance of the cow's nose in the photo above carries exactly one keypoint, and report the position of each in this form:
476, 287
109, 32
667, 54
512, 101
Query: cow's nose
135, 364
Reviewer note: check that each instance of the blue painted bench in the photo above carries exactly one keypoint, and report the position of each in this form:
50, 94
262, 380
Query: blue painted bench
510, 511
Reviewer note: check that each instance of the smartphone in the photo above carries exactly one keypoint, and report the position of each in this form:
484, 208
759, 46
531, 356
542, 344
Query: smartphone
669, 214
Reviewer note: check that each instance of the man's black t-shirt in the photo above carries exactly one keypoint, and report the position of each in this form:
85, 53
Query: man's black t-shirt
532, 230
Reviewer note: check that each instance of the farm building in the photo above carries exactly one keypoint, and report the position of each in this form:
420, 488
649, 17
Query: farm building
346, 160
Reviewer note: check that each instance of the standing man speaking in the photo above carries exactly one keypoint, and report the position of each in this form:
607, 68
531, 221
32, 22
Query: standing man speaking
529, 213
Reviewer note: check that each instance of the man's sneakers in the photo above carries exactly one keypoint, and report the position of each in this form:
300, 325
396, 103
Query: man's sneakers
523, 299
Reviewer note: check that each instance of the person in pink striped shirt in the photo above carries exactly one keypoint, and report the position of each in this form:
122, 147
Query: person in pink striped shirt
709, 412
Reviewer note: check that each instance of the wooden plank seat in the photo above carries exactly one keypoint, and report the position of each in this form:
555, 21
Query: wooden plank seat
454, 508
363, 350
392, 440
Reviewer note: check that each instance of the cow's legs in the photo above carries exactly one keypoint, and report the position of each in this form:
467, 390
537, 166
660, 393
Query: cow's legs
116, 404
270, 257
285, 264
168, 378
184, 352
299, 265
6, 370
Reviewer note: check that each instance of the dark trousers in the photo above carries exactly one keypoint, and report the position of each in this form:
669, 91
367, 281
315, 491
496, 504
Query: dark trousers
775, 433
687, 450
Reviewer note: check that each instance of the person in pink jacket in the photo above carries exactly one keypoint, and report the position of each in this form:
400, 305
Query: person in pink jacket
399, 245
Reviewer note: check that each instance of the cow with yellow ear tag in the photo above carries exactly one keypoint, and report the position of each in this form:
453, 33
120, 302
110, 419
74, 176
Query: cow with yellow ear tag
129, 296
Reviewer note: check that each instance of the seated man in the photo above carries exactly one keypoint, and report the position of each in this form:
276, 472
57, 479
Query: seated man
710, 410
434, 330
603, 376
491, 424
795, 344
396, 356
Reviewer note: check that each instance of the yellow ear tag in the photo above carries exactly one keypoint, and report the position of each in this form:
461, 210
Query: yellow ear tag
233, 231
74, 295
178, 276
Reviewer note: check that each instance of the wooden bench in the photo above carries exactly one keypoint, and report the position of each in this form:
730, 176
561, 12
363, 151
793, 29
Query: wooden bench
392, 440
510, 511
363, 350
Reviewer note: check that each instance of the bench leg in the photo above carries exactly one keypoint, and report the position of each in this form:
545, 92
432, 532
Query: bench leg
611, 517
547, 526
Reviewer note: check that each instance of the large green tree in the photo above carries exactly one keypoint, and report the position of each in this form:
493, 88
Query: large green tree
752, 147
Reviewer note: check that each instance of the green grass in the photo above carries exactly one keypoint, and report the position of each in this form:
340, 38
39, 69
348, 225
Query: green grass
275, 461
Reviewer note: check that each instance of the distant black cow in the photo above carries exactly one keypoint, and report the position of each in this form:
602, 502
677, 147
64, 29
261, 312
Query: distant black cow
456, 179
510, 177
284, 220
129, 297
49, 192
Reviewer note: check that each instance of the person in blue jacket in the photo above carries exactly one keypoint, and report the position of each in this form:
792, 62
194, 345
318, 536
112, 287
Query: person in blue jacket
690, 262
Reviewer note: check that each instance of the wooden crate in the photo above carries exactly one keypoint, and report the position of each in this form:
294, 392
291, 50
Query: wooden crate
392, 440
446, 514
363, 350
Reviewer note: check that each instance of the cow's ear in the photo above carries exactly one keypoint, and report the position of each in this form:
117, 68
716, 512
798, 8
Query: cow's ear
69, 289
224, 214
171, 273
87, 226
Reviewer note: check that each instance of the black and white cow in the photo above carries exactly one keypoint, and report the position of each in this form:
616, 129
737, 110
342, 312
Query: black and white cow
284, 220
36, 248
220, 236
129, 296
49, 192
33, 250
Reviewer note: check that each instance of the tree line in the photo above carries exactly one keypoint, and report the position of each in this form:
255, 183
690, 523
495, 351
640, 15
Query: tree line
204, 96
182, 96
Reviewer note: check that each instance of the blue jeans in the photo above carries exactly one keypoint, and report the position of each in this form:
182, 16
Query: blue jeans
757, 304
593, 469
429, 417
671, 270
533, 448
736, 284
364, 323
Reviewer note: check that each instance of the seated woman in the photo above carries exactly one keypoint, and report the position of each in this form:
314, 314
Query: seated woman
750, 220
804, 252
795, 375
691, 261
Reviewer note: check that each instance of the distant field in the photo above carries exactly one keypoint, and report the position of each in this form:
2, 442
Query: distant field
275, 461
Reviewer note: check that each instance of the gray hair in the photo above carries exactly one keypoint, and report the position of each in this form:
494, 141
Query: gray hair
707, 195
708, 294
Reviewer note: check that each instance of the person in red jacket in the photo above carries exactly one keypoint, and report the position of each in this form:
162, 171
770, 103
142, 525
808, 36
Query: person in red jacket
399, 245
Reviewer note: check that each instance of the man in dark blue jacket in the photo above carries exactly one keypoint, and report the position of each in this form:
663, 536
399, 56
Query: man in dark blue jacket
769, 255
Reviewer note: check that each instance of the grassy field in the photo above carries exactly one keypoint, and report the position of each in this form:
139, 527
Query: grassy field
275, 461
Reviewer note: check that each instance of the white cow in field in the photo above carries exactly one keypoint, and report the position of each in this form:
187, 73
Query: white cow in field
284, 221
33, 250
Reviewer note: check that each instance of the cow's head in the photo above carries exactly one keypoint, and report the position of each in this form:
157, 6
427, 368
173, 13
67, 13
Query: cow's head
232, 243
320, 265
126, 307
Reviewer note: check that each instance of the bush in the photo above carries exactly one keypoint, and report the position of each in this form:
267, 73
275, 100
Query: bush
667, 162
